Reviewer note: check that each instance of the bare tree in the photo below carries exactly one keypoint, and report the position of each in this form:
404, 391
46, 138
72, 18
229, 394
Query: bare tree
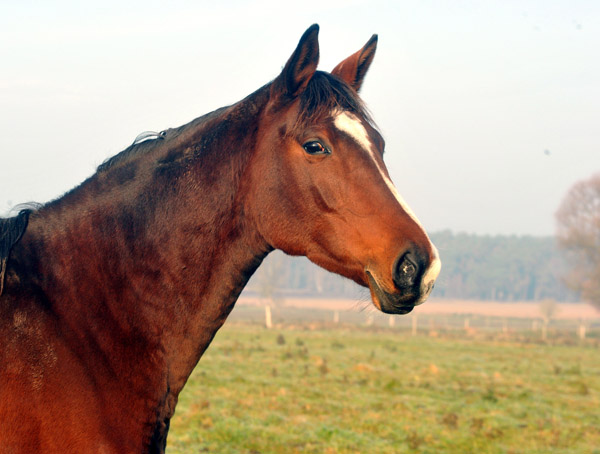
578, 233
548, 309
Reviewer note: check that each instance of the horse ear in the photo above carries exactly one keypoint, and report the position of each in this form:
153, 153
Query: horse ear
354, 68
301, 66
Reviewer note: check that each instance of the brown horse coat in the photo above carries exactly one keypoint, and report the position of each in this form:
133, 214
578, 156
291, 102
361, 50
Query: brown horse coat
112, 293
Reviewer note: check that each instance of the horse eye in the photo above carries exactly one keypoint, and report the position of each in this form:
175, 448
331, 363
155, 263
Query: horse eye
315, 147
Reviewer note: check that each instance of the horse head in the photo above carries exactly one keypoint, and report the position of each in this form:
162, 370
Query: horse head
321, 188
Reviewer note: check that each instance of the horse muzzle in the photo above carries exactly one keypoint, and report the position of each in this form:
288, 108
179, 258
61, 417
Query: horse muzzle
390, 303
413, 280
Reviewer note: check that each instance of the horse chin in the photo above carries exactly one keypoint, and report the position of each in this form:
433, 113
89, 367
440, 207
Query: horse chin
390, 303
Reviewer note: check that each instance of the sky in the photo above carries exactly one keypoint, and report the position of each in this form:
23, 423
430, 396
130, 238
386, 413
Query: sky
490, 110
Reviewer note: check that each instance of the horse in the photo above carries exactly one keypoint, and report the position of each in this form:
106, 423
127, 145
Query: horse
111, 294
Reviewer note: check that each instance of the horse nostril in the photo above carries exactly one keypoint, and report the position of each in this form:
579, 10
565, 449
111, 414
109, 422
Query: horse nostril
408, 268
406, 272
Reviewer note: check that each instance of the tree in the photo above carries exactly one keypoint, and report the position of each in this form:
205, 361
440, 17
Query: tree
578, 234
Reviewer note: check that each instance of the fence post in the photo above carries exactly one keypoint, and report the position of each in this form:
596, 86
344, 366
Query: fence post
545, 330
414, 324
391, 320
268, 319
336, 317
581, 331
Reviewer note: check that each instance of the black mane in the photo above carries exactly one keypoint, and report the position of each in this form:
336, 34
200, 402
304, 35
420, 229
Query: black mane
11, 231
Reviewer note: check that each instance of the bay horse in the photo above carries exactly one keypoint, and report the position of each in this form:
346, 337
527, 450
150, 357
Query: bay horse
111, 294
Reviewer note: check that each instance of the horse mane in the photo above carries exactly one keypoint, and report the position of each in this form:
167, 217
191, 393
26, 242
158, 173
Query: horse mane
142, 141
149, 140
325, 93
11, 231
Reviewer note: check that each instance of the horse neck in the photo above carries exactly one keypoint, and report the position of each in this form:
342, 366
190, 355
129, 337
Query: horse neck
161, 258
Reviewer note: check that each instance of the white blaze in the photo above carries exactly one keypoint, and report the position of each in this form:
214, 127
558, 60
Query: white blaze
352, 126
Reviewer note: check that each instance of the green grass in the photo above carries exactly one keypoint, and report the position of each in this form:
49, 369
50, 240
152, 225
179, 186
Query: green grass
382, 391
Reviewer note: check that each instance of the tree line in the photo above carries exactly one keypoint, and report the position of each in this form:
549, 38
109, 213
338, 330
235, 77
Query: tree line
500, 268
494, 268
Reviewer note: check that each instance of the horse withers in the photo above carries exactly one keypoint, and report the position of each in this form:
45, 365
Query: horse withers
111, 294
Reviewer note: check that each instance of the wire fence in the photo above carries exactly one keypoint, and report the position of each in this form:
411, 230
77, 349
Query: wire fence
456, 325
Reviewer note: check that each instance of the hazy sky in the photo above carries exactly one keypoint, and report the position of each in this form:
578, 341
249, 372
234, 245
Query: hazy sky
490, 109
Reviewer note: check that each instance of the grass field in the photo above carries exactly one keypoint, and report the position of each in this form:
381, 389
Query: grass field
374, 390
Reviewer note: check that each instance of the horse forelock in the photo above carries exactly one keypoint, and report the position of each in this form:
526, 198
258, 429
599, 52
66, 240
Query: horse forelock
325, 94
